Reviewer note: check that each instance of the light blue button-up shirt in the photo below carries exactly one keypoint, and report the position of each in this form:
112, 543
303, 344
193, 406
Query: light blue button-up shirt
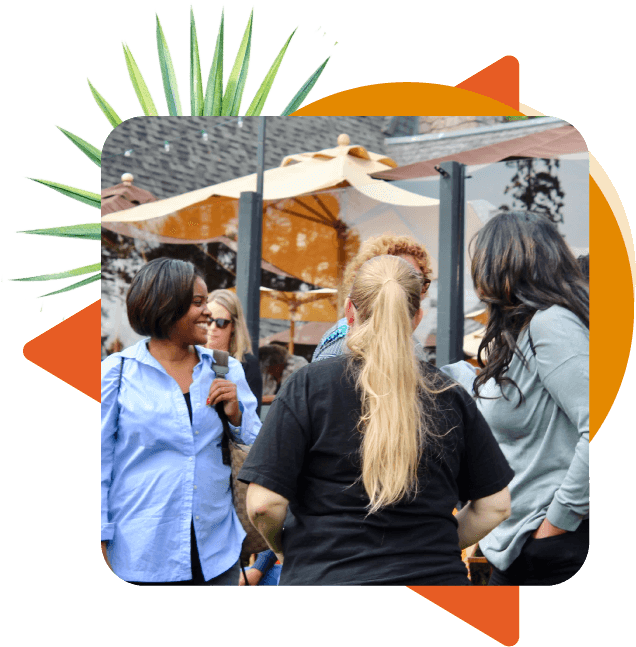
160, 472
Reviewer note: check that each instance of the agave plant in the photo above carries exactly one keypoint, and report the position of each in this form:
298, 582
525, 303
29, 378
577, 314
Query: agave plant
216, 101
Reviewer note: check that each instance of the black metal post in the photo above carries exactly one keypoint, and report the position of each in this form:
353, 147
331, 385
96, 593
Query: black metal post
250, 241
450, 281
248, 261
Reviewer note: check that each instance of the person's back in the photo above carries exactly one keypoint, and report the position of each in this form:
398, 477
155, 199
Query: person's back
372, 451
330, 538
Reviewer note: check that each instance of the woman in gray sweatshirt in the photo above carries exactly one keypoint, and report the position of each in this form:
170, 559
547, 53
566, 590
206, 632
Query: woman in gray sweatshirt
533, 390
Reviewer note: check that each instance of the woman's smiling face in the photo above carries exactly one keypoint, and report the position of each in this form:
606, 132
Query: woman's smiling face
192, 328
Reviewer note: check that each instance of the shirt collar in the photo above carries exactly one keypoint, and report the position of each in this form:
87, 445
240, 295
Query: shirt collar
140, 352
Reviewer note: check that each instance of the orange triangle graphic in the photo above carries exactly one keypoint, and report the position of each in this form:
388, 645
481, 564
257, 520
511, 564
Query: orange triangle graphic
498, 81
494, 610
71, 351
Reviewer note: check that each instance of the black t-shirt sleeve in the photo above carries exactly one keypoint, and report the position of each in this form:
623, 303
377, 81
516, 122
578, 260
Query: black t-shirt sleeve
277, 456
483, 469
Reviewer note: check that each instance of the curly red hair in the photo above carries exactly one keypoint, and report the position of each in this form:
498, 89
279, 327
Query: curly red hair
387, 244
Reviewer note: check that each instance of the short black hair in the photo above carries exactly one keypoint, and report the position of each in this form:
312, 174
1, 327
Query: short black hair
159, 295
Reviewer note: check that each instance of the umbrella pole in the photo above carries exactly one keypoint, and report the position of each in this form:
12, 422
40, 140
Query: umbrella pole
292, 326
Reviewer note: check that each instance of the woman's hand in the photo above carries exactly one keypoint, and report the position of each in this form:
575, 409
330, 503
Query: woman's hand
546, 529
225, 391
253, 577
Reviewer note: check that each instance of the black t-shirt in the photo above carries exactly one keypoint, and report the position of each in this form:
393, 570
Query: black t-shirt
309, 452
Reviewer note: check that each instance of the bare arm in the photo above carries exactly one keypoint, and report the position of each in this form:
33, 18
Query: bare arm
479, 517
267, 511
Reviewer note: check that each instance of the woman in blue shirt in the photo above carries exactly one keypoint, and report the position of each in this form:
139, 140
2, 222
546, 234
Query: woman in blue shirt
167, 513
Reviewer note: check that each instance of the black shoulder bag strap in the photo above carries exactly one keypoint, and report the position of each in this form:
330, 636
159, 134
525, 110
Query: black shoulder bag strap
221, 369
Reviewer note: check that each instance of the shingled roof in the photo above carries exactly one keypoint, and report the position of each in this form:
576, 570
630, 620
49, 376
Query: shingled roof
189, 161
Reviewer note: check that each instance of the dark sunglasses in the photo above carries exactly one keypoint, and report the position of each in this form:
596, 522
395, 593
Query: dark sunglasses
220, 323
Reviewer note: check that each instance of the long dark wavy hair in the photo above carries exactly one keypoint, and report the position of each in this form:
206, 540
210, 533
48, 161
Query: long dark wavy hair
521, 264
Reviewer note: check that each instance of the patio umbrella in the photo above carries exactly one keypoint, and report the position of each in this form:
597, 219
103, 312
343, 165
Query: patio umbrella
318, 305
313, 305
124, 196
317, 208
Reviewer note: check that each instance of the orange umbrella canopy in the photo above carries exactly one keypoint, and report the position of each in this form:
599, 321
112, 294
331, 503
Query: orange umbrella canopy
317, 208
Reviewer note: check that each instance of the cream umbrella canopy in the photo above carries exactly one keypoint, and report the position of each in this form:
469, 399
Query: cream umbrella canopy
317, 208
295, 306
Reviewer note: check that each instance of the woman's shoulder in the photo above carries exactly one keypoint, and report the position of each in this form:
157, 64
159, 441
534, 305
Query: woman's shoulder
114, 362
553, 320
251, 366
316, 371
331, 342
249, 358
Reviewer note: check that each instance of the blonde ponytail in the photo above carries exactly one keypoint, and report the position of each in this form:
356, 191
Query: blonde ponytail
395, 428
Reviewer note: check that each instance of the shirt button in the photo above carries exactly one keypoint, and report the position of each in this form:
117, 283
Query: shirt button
197, 517
195, 487
196, 433
190, 458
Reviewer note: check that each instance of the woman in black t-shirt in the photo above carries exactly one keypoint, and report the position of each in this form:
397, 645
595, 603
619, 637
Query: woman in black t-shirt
371, 451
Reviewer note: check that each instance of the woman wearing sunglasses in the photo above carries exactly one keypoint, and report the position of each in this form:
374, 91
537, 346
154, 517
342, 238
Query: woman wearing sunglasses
228, 332
371, 450
167, 513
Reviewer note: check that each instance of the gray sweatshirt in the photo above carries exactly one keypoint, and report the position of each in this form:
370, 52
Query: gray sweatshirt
545, 439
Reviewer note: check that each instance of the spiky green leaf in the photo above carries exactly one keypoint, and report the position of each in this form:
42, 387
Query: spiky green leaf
238, 75
167, 74
214, 90
294, 104
105, 107
78, 271
141, 89
258, 102
90, 279
89, 231
94, 154
196, 84
93, 199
